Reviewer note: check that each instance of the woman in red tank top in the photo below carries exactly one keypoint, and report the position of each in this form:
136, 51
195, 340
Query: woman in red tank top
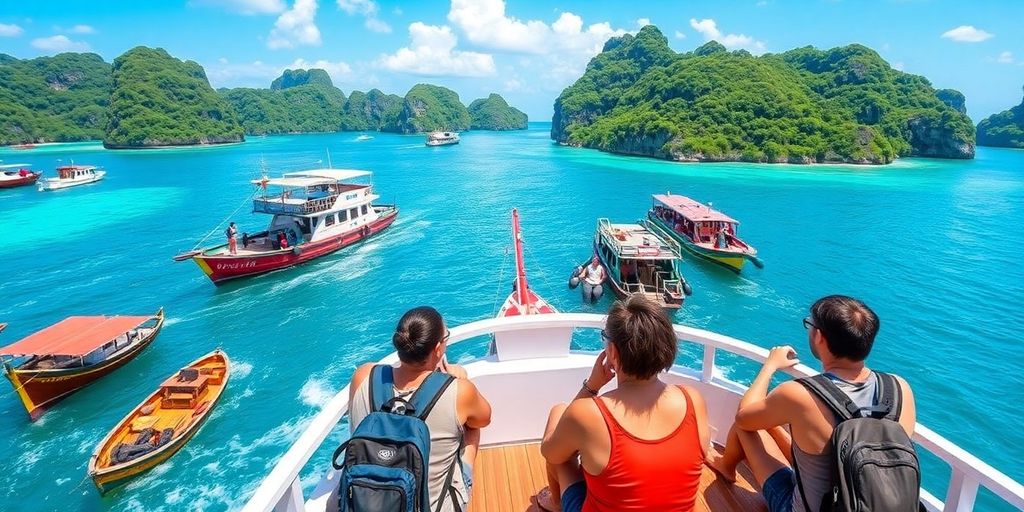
639, 446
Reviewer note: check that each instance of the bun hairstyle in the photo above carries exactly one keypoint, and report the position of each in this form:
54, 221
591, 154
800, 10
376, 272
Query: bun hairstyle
418, 332
643, 336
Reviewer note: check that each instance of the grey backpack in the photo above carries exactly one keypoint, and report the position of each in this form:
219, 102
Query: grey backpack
875, 466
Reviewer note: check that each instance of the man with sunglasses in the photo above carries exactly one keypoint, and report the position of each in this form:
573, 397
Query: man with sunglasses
840, 333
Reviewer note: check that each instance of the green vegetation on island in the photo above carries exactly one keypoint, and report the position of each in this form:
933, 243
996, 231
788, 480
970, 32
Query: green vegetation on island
158, 100
802, 106
1005, 129
294, 78
298, 101
428, 108
370, 111
494, 113
53, 99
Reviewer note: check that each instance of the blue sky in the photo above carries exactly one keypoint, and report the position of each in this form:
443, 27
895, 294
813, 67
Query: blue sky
526, 50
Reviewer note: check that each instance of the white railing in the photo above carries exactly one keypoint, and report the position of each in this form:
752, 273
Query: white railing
281, 490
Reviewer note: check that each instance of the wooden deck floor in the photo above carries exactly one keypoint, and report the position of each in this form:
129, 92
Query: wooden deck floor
507, 478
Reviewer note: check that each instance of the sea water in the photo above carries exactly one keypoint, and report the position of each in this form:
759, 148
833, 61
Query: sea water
932, 245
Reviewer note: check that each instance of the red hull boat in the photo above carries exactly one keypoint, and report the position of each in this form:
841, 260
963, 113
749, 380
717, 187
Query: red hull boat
315, 213
16, 175
74, 353
522, 300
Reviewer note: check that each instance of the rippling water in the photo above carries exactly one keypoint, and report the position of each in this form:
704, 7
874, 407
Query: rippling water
932, 245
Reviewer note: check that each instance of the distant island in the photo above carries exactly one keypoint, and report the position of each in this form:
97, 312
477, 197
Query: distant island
1005, 129
148, 98
844, 105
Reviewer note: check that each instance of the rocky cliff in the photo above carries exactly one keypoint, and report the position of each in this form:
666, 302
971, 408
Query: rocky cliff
1005, 129
494, 113
428, 108
802, 106
372, 110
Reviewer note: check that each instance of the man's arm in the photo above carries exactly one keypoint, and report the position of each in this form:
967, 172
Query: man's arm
477, 409
358, 378
760, 410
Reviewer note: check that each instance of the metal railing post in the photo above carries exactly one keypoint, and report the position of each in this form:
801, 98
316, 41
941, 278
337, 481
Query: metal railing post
707, 371
962, 492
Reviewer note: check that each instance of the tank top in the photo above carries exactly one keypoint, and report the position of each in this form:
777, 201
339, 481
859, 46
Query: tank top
644, 475
816, 470
445, 436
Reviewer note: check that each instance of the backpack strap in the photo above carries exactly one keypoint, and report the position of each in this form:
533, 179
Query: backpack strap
430, 392
826, 390
890, 397
382, 386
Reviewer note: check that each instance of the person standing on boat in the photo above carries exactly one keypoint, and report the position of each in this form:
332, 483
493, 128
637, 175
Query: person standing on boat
608, 452
593, 276
421, 339
840, 331
232, 234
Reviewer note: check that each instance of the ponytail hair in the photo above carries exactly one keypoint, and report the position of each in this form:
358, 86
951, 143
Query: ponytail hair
418, 332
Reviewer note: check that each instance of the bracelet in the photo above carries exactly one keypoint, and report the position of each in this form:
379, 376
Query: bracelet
587, 388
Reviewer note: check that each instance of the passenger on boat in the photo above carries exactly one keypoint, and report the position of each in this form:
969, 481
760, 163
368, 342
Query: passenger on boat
593, 277
840, 331
456, 419
231, 233
608, 452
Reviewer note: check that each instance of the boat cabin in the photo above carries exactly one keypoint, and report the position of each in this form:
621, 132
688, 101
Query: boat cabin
700, 223
639, 261
310, 205
76, 172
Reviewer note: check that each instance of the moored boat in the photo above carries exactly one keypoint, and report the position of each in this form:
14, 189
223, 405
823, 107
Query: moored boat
49, 365
313, 213
442, 138
72, 176
702, 230
17, 175
523, 300
638, 260
522, 387
159, 426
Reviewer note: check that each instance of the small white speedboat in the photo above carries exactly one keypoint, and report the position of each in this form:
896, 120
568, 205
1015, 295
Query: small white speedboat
71, 176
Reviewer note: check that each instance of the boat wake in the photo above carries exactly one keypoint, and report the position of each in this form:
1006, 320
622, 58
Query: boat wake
316, 392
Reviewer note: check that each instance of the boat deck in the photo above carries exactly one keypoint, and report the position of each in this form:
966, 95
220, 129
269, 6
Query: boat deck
636, 241
507, 479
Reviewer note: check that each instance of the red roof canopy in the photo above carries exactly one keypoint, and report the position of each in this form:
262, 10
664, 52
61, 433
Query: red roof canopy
74, 336
692, 209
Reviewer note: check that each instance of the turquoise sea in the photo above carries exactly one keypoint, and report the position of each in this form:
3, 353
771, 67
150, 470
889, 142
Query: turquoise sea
933, 246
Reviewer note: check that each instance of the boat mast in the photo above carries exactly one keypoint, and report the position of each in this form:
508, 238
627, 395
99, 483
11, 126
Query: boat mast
522, 289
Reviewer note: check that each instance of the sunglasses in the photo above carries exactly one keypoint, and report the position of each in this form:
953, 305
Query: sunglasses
809, 324
447, 334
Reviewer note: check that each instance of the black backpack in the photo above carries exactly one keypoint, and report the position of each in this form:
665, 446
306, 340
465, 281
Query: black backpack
875, 466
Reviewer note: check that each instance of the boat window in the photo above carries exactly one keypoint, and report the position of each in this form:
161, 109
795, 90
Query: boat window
314, 219
353, 213
343, 216
364, 209
329, 219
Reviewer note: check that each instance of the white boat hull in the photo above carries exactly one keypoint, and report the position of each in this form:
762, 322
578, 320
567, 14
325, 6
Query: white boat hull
57, 183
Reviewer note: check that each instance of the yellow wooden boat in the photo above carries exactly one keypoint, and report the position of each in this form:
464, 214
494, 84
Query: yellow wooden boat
162, 423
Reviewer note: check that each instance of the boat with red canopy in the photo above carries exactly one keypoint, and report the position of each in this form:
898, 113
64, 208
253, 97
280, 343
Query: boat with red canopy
53, 363
522, 300
702, 230
17, 175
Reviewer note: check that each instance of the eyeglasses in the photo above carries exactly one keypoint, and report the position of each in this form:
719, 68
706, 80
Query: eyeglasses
605, 337
809, 324
447, 334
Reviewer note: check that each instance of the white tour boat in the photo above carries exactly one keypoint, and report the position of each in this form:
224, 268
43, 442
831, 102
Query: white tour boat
442, 138
72, 176
533, 368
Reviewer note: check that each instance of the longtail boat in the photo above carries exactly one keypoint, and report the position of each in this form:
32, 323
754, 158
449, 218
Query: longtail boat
17, 175
162, 423
636, 259
522, 300
702, 230
49, 365
313, 213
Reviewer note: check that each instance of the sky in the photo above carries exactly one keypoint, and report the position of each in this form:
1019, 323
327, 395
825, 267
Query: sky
527, 51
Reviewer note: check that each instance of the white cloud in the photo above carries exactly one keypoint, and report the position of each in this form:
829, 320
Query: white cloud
643, 22
296, 27
398, 11
485, 23
339, 71
680, 35
377, 25
1005, 58
82, 29
10, 30
368, 9
246, 7
709, 29
967, 34
59, 43
432, 52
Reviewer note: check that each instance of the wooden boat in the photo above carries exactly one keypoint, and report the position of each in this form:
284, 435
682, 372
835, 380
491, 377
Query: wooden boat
72, 176
171, 416
509, 471
49, 365
522, 300
17, 175
442, 138
702, 230
638, 260
315, 213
